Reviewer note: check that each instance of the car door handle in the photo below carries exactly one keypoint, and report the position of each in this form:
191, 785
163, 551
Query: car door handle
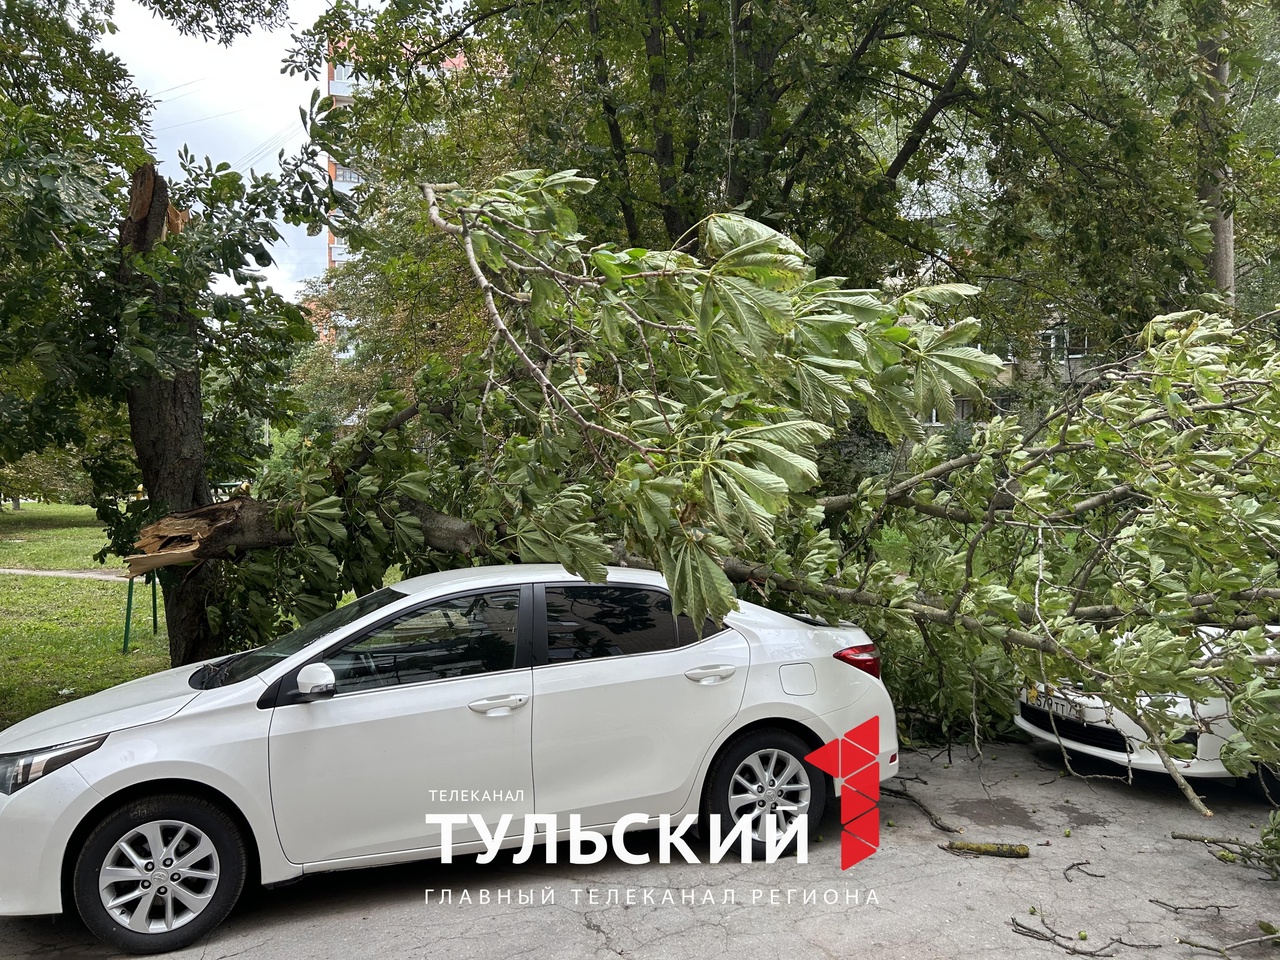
712, 674
499, 706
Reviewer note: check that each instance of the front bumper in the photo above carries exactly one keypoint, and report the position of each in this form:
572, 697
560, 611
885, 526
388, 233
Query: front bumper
36, 823
1089, 732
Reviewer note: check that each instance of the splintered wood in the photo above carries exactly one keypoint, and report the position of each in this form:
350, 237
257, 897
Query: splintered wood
179, 537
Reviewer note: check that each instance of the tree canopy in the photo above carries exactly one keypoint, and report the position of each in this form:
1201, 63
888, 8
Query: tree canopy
734, 237
1059, 156
666, 409
118, 335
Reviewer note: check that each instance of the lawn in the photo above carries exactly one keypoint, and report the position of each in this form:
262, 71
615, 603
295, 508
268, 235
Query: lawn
51, 536
60, 638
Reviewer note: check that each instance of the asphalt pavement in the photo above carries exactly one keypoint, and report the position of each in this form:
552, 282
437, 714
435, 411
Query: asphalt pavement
1102, 864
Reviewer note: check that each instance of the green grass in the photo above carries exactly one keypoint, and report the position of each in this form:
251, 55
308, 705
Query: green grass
49, 536
60, 640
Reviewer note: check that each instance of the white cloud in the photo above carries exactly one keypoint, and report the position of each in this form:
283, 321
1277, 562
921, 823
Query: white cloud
228, 103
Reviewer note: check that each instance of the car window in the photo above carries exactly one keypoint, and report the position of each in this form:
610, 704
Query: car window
688, 630
245, 665
449, 638
587, 622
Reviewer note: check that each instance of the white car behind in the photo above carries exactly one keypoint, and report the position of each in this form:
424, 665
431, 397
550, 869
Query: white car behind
1086, 724
1067, 715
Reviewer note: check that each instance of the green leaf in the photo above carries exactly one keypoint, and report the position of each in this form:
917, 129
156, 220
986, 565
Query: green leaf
698, 584
758, 314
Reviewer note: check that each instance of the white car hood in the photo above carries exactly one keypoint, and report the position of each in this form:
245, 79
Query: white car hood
145, 700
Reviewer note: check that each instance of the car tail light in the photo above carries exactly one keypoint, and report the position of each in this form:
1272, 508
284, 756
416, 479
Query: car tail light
864, 656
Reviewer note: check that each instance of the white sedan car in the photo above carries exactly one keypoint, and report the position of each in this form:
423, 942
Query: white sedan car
522, 689
1086, 724
1067, 715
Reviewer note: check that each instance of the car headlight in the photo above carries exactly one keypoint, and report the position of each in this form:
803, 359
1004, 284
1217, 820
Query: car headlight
19, 769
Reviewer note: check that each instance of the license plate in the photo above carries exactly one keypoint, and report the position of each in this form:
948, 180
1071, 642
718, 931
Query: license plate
1062, 708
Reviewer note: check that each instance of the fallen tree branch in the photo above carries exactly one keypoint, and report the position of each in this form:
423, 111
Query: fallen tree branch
1122, 492
214, 532
1171, 768
936, 820
1074, 945
232, 528
1231, 850
463, 234
1174, 908
1080, 866
1226, 950
1013, 851
222, 532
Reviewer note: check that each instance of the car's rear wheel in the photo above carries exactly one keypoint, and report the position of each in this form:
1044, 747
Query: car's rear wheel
159, 873
762, 776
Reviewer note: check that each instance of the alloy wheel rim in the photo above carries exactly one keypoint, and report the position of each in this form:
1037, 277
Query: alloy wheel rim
769, 785
159, 876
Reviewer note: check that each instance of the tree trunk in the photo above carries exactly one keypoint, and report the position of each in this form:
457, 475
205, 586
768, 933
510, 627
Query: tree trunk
675, 213
167, 425
166, 422
619, 181
1214, 189
17, 503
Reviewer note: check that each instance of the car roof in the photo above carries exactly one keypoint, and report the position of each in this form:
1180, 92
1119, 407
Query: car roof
510, 574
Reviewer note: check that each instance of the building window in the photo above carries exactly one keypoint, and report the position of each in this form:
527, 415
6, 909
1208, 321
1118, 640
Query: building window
1064, 343
1077, 344
963, 411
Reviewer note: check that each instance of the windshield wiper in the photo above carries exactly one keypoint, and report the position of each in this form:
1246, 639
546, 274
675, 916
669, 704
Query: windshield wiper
215, 671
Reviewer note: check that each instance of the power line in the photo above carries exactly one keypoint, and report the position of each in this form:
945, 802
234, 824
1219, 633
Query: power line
265, 148
216, 116
178, 87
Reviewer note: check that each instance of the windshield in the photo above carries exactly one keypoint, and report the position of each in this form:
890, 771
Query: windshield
241, 666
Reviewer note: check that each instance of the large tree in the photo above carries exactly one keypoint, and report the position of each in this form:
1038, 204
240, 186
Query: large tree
664, 409
114, 335
1061, 156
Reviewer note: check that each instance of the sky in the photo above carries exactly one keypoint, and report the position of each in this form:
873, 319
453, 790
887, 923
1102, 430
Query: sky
228, 103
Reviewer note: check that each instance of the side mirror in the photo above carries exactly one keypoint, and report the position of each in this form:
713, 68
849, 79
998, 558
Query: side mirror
316, 682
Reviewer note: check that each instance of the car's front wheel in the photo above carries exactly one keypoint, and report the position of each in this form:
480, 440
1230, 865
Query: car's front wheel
762, 776
159, 873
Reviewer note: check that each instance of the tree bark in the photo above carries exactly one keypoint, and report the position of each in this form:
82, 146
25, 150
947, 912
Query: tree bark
166, 422
675, 213
621, 185
1214, 190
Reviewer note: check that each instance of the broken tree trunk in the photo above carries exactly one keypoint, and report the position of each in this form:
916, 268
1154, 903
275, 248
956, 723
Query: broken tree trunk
228, 530
166, 418
212, 532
